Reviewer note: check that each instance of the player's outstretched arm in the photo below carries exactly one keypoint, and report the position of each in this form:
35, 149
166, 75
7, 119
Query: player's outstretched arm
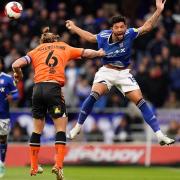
151, 22
16, 66
82, 33
89, 53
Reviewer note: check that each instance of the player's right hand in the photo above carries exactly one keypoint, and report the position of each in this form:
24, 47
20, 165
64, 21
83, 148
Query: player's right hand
101, 52
70, 24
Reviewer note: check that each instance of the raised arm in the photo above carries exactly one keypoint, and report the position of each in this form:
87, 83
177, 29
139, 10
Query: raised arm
16, 66
82, 33
151, 22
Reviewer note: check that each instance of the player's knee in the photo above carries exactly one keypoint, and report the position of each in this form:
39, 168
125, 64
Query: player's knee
35, 139
95, 95
140, 102
60, 138
3, 139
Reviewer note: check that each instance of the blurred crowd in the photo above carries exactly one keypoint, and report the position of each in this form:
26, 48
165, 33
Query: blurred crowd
174, 130
155, 56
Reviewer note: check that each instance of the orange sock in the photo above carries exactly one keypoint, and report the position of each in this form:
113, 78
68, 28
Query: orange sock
60, 154
34, 150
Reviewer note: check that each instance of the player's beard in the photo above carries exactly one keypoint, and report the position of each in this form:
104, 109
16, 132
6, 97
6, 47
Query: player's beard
119, 36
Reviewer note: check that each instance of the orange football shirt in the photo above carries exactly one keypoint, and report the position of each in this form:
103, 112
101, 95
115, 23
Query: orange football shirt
50, 59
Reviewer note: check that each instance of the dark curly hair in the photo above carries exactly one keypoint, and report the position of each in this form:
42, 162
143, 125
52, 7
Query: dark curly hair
116, 19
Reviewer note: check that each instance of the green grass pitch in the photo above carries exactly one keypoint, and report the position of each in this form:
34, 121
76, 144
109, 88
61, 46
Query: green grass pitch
99, 173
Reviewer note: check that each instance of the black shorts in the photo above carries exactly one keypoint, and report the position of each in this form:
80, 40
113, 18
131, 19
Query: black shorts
47, 97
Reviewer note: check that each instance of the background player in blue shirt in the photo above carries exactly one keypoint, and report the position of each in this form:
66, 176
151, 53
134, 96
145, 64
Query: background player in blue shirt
117, 44
8, 92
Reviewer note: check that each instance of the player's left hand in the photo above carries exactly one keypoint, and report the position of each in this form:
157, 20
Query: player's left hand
160, 4
18, 77
9, 98
101, 52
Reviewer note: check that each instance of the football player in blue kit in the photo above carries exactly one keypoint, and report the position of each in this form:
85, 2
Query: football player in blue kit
117, 43
8, 92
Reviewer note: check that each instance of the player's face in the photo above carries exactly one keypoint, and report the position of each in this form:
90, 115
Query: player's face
119, 30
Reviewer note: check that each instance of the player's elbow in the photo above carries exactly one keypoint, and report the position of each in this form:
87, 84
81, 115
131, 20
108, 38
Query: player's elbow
19, 63
16, 65
148, 27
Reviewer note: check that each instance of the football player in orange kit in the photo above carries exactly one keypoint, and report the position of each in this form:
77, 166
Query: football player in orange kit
49, 60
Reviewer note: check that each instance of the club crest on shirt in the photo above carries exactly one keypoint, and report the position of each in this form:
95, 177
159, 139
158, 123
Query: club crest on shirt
1, 81
121, 45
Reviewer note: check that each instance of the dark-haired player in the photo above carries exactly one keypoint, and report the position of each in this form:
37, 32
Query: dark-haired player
117, 43
8, 92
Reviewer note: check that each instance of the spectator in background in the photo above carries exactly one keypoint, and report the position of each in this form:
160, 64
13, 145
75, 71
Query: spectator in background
18, 134
95, 134
172, 101
69, 90
82, 89
168, 22
178, 135
157, 86
173, 129
174, 75
122, 131
174, 47
155, 46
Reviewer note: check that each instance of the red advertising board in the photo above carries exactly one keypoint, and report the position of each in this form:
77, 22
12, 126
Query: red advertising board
18, 155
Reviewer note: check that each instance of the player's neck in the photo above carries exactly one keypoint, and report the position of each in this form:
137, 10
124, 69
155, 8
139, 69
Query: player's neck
114, 39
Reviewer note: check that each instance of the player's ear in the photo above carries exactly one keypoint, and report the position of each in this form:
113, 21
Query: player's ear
126, 26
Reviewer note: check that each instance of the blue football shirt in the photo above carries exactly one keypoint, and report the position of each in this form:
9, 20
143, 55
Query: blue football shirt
7, 86
118, 53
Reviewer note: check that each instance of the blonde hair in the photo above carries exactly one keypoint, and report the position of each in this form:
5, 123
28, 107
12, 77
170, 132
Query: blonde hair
48, 37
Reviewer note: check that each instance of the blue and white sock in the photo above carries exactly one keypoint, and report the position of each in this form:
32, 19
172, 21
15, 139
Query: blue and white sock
3, 150
87, 107
148, 115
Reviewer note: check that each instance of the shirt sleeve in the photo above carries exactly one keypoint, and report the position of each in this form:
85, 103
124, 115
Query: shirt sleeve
29, 56
99, 38
27, 59
133, 33
75, 53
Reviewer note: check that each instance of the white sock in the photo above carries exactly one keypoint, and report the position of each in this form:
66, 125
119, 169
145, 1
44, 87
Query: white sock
159, 133
78, 125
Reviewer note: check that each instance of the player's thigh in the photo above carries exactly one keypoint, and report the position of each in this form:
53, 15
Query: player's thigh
103, 80
39, 108
100, 88
60, 123
126, 83
55, 101
38, 125
134, 96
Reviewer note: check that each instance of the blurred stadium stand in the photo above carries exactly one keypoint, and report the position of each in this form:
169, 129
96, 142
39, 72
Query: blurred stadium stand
156, 67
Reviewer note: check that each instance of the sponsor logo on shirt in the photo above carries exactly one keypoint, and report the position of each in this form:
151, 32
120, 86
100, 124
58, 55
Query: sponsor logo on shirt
115, 53
2, 89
